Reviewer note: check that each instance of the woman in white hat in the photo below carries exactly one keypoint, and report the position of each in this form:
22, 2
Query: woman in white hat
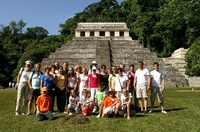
23, 88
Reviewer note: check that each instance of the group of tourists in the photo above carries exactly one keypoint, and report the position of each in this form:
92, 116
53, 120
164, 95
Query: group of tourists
104, 90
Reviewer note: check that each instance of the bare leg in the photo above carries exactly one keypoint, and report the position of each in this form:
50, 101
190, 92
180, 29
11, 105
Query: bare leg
145, 104
128, 109
140, 103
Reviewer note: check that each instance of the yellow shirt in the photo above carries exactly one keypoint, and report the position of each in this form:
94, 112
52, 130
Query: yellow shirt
60, 81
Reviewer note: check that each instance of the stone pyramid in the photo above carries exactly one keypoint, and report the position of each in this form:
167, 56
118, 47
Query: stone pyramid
110, 44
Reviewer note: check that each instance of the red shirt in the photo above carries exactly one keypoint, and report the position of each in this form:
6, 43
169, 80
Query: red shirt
94, 80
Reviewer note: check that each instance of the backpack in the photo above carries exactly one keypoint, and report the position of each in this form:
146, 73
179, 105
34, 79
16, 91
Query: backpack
41, 73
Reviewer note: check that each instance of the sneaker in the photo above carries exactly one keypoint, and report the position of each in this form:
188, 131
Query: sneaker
16, 113
28, 114
23, 114
66, 112
163, 111
98, 116
94, 110
151, 111
128, 117
70, 113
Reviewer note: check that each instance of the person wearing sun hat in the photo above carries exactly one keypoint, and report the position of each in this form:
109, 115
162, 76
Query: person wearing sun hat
44, 104
110, 104
94, 64
23, 88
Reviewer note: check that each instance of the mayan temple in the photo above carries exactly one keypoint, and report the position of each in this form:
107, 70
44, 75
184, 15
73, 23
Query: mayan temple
110, 44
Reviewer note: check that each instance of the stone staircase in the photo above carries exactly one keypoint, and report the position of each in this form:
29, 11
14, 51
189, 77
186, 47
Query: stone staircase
130, 52
112, 52
177, 60
81, 52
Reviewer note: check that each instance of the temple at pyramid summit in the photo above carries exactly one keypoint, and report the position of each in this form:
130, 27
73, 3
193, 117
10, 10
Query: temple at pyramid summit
110, 44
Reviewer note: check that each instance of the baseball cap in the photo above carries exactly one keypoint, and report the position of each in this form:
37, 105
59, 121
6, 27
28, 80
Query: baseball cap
27, 62
94, 68
44, 89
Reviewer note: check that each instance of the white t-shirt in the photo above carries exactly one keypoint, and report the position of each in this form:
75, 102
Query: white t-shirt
24, 75
125, 99
120, 82
83, 81
156, 78
141, 77
74, 100
84, 100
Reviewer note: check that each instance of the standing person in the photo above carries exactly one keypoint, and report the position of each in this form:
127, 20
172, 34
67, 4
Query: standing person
142, 85
104, 78
111, 77
57, 65
23, 88
120, 83
123, 66
99, 97
94, 64
34, 84
83, 81
71, 82
61, 82
131, 74
157, 87
48, 81
93, 82
44, 104
65, 68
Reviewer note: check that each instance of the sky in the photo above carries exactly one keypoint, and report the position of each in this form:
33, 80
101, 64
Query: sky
44, 13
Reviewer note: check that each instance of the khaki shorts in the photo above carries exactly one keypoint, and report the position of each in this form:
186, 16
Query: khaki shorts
156, 91
141, 92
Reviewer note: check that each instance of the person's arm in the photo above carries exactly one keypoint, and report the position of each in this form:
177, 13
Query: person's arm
134, 83
29, 83
64, 84
163, 84
148, 82
115, 103
38, 110
113, 84
75, 83
89, 83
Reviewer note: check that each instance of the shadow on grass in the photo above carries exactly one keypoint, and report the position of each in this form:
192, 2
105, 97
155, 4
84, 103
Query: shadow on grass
169, 110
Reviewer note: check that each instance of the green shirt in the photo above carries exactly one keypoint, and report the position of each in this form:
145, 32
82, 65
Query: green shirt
100, 96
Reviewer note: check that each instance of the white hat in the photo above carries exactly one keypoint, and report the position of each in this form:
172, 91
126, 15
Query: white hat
94, 68
94, 62
28, 62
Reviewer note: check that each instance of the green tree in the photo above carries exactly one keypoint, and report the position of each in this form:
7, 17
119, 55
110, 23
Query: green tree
193, 59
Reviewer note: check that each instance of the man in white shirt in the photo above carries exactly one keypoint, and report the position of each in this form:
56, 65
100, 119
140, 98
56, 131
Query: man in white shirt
157, 87
142, 85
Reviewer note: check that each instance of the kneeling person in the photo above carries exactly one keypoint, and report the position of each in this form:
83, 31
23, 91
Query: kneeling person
43, 103
110, 104
85, 103
126, 98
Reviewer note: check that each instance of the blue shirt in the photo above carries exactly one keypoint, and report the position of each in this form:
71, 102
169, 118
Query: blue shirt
47, 82
35, 80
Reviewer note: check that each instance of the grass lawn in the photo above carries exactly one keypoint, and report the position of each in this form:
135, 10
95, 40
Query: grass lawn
182, 105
